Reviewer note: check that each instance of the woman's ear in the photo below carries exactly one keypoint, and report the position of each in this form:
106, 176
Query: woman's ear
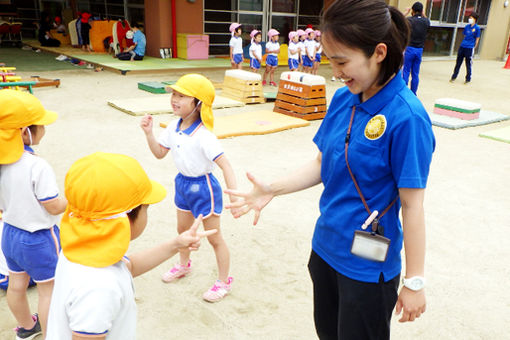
380, 52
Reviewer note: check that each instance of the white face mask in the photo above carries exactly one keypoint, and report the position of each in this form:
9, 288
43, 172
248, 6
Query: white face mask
471, 21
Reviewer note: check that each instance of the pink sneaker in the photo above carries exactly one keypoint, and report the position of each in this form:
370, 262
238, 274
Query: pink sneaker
273, 83
264, 82
218, 291
176, 272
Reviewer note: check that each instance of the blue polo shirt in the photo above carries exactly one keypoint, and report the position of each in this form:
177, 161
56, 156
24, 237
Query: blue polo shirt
139, 40
470, 35
390, 147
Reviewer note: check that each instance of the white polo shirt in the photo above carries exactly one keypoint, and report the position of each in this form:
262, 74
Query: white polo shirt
310, 47
256, 51
23, 186
293, 50
194, 150
302, 47
92, 301
272, 46
237, 44
318, 45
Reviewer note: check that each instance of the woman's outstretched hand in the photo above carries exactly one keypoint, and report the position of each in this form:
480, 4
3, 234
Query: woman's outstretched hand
256, 200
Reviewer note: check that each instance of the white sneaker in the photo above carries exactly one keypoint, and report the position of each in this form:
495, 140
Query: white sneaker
333, 78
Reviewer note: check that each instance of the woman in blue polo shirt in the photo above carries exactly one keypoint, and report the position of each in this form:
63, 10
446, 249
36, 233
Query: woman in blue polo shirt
467, 47
375, 148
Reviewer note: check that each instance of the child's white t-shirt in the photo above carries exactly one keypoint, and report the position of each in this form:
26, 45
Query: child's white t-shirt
237, 44
272, 46
302, 48
92, 300
194, 150
23, 186
293, 50
310, 47
256, 51
318, 45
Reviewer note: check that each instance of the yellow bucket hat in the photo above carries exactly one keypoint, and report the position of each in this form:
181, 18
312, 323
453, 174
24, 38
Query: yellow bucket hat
100, 189
18, 110
198, 86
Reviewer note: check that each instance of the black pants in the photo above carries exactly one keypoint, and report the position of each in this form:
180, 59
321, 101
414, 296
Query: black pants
348, 309
50, 42
85, 36
127, 56
464, 53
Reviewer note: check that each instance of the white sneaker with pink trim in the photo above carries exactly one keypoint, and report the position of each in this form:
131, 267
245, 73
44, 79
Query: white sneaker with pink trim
219, 290
177, 272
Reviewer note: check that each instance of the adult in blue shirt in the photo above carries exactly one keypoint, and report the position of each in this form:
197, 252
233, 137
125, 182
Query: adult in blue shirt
467, 47
137, 50
375, 148
412, 56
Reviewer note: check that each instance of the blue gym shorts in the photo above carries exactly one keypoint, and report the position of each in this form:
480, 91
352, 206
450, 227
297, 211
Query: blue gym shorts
200, 195
238, 58
272, 60
293, 64
318, 58
307, 62
33, 253
254, 63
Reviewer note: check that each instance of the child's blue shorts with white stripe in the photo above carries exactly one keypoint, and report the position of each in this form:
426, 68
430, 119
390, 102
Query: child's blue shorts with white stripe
33, 253
254, 63
318, 58
272, 60
238, 58
307, 62
293, 64
199, 195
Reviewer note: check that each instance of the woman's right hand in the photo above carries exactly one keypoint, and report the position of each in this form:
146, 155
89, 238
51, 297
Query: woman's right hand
256, 200
146, 124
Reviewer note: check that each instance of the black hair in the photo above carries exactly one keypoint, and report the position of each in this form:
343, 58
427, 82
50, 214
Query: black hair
474, 15
417, 7
363, 24
238, 28
133, 214
136, 25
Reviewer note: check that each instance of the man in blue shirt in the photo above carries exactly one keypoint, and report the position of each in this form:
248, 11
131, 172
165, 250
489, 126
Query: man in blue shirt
467, 47
137, 50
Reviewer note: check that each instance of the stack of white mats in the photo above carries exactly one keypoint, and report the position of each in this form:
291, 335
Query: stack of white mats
243, 86
457, 108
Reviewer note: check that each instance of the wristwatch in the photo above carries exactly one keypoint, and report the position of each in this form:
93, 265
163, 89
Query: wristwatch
414, 283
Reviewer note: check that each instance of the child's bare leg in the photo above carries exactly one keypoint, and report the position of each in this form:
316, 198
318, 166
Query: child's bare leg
45, 290
184, 221
17, 299
266, 71
219, 246
271, 74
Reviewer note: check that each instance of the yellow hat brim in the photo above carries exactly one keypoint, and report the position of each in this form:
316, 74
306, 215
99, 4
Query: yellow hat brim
157, 193
180, 90
48, 118
11, 146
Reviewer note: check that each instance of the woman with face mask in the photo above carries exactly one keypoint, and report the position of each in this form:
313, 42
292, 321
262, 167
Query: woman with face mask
467, 47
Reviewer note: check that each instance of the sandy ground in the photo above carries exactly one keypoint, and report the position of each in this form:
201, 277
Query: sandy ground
467, 214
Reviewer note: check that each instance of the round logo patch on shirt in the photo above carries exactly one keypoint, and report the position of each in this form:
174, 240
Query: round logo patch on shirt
375, 127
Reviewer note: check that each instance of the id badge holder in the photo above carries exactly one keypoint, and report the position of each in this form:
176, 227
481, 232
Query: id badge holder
370, 245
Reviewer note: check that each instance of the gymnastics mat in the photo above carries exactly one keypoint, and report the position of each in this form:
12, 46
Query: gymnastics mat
253, 123
501, 135
161, 104
486, 117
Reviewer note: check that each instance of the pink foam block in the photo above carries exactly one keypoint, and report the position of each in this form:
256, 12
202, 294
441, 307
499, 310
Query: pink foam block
455, 114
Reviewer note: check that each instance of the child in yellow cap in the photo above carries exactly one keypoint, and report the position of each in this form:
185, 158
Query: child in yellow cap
195, 150
29, 198
108, 199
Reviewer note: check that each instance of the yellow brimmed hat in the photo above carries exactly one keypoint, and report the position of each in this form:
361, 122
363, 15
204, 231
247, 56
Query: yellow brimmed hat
18, 110
100, 189
198, 86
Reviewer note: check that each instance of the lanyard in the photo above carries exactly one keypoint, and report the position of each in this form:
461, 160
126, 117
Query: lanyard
347, 139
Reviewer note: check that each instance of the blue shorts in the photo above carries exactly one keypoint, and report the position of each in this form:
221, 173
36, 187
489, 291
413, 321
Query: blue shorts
238, 58
318, 58
200, 195
272, 60
254, 63
33, 253
307, 62
293, 64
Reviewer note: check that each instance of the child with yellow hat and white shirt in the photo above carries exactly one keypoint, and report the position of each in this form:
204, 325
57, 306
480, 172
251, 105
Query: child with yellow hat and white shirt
195, 150
108, 199
29, 198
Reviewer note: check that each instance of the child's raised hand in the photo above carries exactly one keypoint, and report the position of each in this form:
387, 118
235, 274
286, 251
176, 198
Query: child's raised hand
256, 200
146, 123
191, 238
